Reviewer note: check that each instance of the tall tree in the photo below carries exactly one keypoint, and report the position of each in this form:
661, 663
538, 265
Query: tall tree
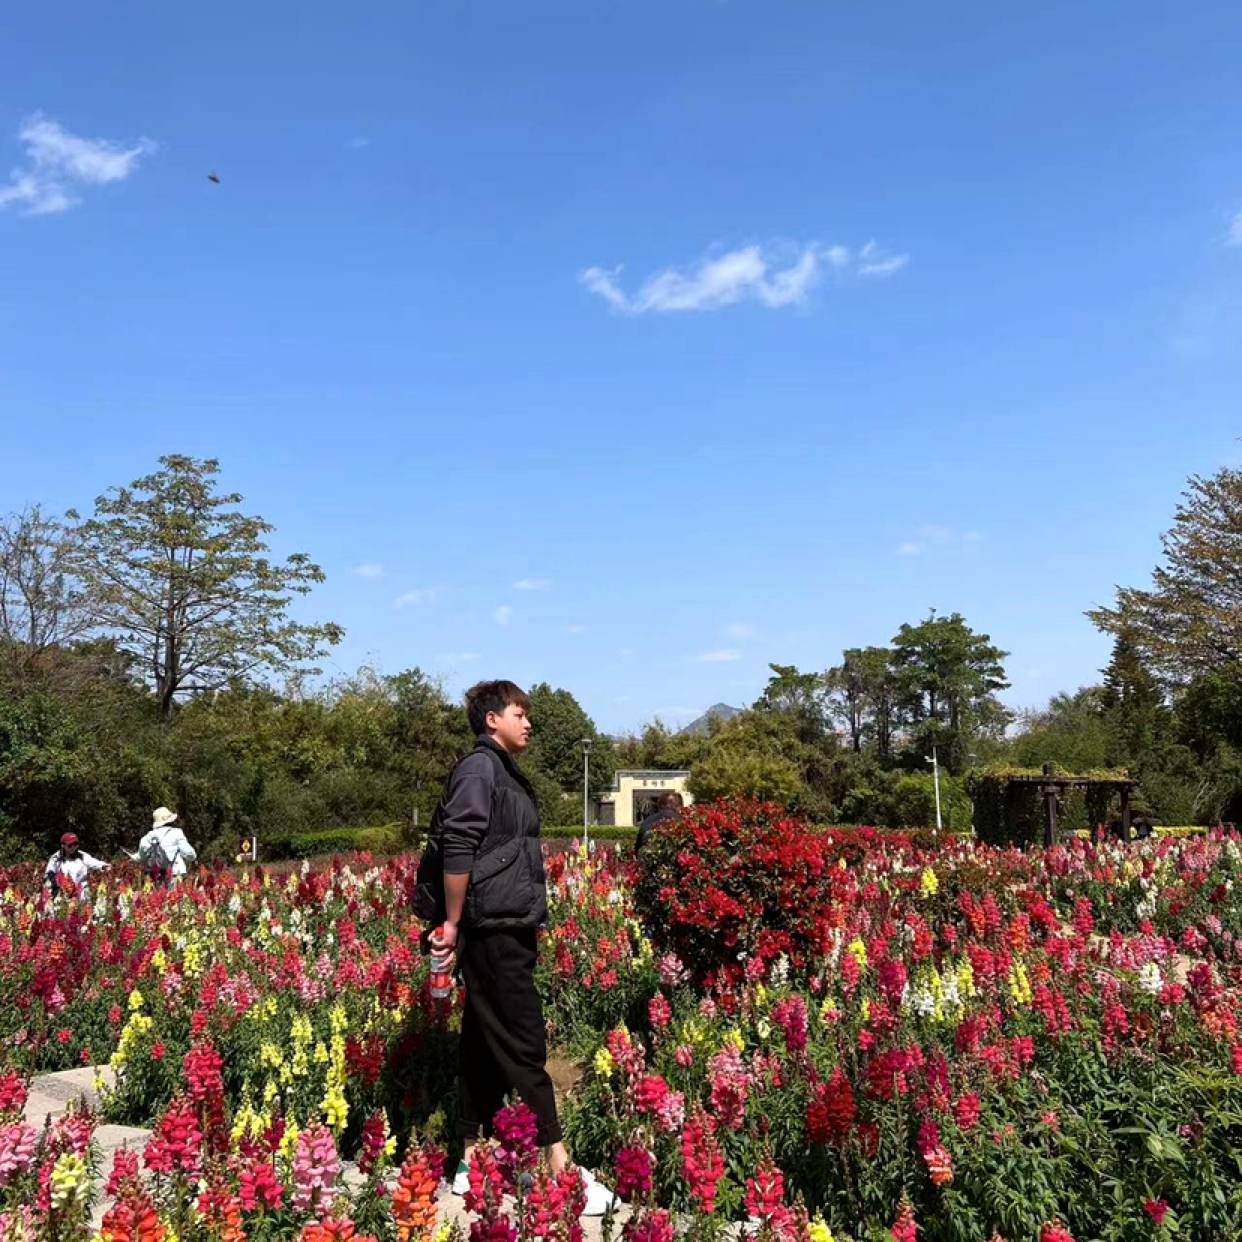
1133, 701
182, 580
862, 694
799, 697
43, 605
560, 725
1190, 621
948, 677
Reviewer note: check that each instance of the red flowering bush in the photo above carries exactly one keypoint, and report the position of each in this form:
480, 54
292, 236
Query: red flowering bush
731, 882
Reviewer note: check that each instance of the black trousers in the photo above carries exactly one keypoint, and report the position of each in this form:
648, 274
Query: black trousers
504, 1044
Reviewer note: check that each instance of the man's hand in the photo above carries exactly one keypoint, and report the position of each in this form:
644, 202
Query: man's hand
445, 936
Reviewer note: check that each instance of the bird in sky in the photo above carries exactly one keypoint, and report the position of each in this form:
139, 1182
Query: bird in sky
214, 178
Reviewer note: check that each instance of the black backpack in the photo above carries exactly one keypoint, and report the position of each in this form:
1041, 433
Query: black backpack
429, 903
157, 863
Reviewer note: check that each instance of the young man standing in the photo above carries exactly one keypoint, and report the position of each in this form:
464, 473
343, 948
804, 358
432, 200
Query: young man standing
487, 830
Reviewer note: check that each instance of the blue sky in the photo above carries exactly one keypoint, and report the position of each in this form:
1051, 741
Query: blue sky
630, 347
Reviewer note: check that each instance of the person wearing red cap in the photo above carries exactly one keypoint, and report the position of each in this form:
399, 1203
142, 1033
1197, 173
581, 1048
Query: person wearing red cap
71, 862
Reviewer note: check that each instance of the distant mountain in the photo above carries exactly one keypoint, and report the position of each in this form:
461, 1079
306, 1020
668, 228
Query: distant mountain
720, 711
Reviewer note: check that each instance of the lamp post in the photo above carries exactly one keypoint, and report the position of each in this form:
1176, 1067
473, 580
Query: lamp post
936, 782
586, 791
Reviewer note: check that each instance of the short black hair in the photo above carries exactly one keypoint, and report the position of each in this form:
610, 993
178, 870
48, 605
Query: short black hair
670, 801
492, 696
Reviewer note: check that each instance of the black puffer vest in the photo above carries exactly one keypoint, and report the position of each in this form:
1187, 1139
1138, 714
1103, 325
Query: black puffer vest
507, 887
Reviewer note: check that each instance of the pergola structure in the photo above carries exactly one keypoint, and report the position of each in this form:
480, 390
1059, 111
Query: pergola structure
1053, 786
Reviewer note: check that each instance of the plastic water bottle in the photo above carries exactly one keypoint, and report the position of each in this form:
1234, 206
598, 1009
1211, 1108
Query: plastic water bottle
441, 968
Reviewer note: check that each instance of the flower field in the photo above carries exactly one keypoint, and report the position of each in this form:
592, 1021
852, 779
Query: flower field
823, 1033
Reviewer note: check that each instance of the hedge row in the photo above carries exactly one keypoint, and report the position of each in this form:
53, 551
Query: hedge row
381, 839
601, 833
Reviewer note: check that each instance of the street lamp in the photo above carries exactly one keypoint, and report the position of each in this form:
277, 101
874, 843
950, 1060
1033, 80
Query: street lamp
936, 782
586, 790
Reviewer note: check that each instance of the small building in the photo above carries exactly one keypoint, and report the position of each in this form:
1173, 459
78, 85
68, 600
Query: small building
634, 794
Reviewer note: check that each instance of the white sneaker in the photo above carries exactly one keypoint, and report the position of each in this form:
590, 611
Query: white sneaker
461, 1180
598, 1197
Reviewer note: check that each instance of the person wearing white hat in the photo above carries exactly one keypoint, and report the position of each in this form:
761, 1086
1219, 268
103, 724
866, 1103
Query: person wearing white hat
164, 852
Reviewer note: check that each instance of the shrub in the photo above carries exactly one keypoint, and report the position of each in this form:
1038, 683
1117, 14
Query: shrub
598, 832
729, 881
382, 839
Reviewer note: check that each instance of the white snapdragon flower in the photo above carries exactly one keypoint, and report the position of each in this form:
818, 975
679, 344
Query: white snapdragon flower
1150, 979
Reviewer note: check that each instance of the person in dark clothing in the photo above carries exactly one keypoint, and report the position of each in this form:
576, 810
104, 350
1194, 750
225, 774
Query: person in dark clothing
668, 806
495, 899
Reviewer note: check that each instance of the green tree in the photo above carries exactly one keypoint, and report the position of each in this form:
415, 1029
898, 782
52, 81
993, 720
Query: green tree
863, 696
429, 732
736, 772
1073, 731
43, 606
560, 725
1190, 621
182, 580
947, 677
798, 696
1133, 703
660, 747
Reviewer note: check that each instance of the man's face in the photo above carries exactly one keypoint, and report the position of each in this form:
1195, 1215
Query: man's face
511, 728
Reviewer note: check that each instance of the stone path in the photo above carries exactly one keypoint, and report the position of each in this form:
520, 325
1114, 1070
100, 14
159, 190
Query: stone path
50, 1095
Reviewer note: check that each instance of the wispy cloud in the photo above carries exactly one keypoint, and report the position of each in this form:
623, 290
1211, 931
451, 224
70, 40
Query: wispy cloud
872, 261
57, 162
411, 599
936, 537
773, 277
532, 584
503, 615
739, 630
372, 569
576, 628
726, 655
358, 142
459, 657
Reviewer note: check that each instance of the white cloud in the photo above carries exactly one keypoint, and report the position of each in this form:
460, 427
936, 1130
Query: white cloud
873, 262
1234, 236
739, 630
774, 278
427, 595
725, 655
576, 628
372, 569
932, 536
503, 615
532, 584
57, 161
357, 143
605, 284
